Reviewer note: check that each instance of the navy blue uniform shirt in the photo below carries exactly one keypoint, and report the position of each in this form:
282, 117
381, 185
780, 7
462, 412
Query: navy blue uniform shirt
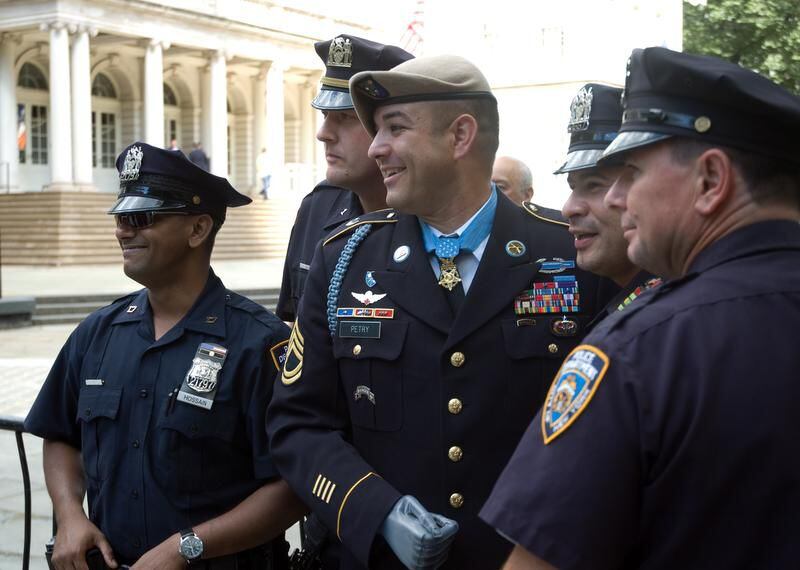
408, 399
322, 210
154, 469
684, 453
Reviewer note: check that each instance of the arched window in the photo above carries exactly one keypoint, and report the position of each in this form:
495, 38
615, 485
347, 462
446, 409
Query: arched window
102, 87
32, 77
169, 96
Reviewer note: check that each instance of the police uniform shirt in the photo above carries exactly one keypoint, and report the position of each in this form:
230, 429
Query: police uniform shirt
641, 282
322, 210
405, 398
685, 454
155, 464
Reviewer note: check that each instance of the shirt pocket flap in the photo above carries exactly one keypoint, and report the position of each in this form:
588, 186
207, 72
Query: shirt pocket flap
197, 423
387, 347
98, 402
536, 337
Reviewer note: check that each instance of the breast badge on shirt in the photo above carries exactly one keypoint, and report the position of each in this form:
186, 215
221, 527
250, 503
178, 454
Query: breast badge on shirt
293, 364
572, 390
199, 387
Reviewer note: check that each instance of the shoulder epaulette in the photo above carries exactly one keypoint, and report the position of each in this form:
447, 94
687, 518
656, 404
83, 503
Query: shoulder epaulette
545, 214
125, 297
387, 216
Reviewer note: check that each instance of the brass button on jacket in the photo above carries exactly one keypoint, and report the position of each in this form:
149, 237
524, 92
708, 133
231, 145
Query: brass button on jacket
455, 453
454, 406
456, 500
457, 359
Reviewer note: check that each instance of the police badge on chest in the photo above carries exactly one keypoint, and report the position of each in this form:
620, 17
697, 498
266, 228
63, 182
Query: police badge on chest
199, 387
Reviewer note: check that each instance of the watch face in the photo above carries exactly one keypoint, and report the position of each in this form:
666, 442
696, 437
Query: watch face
191, 547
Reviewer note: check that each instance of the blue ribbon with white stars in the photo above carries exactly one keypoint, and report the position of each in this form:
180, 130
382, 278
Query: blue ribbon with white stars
447, 247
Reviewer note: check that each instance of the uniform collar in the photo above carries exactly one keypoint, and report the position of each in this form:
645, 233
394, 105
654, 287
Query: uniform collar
750, 240
207, 315
346, 207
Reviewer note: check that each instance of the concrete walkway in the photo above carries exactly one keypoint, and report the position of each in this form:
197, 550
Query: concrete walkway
25, 361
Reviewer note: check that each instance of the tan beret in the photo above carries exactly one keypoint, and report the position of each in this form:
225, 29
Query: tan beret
434, 78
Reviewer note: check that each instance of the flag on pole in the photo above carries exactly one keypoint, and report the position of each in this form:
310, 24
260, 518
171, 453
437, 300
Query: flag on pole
413, 38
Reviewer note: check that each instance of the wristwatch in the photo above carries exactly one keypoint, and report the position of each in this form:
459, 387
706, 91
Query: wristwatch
191, 545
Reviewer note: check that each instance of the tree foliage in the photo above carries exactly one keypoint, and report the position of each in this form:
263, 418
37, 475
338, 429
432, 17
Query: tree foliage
762, 35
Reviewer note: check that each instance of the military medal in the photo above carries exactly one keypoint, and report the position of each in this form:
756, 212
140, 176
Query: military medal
449, 277
199, 387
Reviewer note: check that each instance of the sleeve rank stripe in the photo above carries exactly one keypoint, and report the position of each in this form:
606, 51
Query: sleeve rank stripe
316, 485
330, 493
347, 496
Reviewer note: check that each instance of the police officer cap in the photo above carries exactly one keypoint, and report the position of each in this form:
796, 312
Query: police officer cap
155, 179
344, 56
705, 98
595, 116
433, 78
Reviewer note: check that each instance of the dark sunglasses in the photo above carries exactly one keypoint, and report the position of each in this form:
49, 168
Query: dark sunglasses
141, 220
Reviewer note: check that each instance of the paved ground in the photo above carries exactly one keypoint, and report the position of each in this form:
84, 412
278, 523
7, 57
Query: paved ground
25, 359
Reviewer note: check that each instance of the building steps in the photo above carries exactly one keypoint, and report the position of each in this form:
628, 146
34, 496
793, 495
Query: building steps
71, 228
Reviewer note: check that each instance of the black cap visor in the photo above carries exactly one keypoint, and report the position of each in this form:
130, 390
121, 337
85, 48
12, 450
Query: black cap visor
332, 100
630, 140
580, 160
136, 203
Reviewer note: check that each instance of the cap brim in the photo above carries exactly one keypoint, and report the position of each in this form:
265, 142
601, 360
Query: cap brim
332, 100
143, 204
580, 159
630, 140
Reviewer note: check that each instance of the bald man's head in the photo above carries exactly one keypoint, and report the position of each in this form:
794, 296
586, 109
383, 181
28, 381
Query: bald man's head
513, 178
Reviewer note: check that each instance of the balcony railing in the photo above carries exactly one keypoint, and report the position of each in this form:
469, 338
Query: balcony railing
9, 423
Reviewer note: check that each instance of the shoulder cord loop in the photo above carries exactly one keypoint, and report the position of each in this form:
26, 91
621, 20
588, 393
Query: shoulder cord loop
339, 271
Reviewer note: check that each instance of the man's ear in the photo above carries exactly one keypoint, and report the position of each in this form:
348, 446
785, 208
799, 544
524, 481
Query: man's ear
464, 130
715, 181
201, 230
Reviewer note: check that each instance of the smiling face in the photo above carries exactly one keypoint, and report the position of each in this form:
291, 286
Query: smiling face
654, 195
414, 156
346, 145
156, 254
600, 246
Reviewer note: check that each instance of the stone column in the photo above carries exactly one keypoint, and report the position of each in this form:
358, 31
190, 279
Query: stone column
81, 110
60, 140
275, 127
154, 92
9, 153
218, 113
260, 111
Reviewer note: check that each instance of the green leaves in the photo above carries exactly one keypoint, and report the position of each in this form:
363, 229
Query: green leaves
763, 35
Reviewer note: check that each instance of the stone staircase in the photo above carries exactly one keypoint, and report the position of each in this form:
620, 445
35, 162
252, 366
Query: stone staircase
73, 309
72, 228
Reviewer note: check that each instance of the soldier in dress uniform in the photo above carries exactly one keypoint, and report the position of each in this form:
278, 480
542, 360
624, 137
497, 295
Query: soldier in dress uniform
408, 377
353, 184
667, 439
595, 117
155, 406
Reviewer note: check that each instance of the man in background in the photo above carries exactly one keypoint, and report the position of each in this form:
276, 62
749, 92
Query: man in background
513, 178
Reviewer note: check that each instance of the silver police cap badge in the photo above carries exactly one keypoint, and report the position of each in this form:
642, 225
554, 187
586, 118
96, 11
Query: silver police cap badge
202, 377
579, 110
132, 164
340, 53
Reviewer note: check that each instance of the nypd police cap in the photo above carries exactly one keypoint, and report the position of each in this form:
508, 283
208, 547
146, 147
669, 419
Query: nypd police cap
595, 116
433, 78
155, 179
668, 93
344, 56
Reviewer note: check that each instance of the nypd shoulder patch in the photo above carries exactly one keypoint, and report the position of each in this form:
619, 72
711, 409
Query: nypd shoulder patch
278, 354
572, 389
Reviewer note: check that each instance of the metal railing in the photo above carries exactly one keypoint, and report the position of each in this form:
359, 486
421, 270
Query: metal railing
10, 423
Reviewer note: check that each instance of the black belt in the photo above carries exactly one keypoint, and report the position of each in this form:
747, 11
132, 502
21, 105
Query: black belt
270, 556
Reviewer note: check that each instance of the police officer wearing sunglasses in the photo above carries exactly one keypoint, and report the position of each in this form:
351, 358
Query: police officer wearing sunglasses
155, 406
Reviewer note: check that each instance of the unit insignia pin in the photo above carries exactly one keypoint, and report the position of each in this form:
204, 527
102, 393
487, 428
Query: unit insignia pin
132, 164
370, 280
401, 253
369, 297
515, 248
131, 309
579, 110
